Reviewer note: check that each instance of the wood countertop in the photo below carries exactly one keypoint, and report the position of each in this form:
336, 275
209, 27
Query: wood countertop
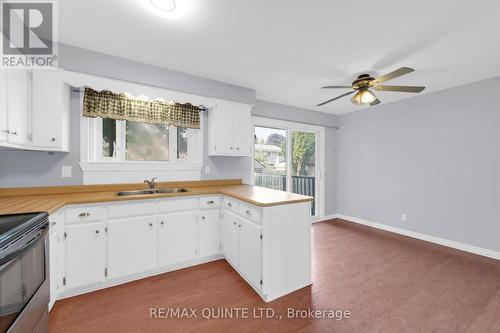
50, 199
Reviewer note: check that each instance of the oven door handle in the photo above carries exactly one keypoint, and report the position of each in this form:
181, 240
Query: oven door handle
10, 255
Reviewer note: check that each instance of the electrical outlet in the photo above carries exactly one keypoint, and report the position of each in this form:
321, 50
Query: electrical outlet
403, 217
66, 171
207, 169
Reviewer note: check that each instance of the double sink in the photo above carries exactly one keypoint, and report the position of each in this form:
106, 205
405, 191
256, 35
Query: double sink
151, 191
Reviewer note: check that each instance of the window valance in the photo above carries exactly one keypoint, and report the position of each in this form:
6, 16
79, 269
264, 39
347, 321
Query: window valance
106, 104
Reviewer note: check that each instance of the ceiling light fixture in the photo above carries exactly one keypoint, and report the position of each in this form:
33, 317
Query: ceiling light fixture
169, 9
363, 96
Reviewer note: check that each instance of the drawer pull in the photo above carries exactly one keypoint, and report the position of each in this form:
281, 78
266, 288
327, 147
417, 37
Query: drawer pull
230, 204
84, 214
249, 213
162, 222
239, 225
203, 217
151, 224
234, 223
97, 231
211, 202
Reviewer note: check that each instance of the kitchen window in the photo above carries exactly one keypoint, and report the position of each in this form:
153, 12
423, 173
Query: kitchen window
131, 141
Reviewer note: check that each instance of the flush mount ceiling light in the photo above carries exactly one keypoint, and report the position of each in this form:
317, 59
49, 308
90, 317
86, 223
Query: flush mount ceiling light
169, 9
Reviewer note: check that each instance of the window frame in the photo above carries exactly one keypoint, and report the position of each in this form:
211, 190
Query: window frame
100, 170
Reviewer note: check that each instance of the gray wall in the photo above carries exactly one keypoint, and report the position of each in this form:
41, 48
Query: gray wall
434, 157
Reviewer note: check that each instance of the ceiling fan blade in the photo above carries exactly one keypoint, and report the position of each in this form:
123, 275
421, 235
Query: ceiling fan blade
410, 89
331, 100
335, 87
375, 102
392, 75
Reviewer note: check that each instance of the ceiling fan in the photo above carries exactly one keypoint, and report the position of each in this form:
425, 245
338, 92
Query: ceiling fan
362, 85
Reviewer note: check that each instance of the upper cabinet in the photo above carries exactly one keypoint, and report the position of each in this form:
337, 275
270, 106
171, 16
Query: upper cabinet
34, 110
230, 130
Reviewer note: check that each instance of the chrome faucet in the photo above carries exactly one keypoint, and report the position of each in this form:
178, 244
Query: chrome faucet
151, 182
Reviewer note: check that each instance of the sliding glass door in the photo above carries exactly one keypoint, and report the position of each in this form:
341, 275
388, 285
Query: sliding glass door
285, 159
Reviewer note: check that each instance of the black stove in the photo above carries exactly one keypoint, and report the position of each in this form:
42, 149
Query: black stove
15, 225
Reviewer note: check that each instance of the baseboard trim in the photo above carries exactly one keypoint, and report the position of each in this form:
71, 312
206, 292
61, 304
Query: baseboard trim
326, 218
425, 237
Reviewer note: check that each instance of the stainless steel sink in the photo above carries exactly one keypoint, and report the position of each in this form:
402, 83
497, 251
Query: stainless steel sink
149, 192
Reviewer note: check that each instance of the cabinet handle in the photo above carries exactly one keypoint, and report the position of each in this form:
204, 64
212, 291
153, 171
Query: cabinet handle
12, 132
203, 217
84, 214
53, 139
230, 204
239, 225
234, 223
249, 213
231, 148
237, 148
162, 222
210, 202
151, 224
97, 231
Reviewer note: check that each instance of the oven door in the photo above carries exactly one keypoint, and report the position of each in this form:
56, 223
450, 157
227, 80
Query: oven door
24, 291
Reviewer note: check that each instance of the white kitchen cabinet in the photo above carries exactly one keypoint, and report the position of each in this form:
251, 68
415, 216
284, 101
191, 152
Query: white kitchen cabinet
250, 251
85, 254
14, 117
210, 241
230, 237
49, 111
132, 246
34, 110
230, 130
178, 238
53, 267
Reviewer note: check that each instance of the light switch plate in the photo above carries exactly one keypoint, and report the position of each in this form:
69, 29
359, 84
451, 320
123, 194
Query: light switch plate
66, 171
207, 169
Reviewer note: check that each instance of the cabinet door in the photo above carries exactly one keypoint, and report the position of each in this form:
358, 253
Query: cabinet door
17, 106
3, 105
132, 246
243, 134
46, 113
230, 237
53, 267
222, 129
250, 258
177, 238
209, 232
85, 254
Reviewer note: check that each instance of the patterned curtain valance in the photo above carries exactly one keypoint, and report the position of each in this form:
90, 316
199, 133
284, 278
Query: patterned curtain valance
106, 104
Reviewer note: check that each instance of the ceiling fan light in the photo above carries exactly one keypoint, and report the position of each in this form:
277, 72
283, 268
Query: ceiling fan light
363, 97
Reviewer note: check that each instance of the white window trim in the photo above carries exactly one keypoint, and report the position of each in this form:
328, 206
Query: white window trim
320, 148
114, 171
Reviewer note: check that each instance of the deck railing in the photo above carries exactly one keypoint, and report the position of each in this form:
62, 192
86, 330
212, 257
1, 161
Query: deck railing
305, 185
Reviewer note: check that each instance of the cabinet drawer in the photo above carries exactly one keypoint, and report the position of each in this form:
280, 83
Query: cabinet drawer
250, 212
140, 208
209, 202
172, 205
84, 214
231, 204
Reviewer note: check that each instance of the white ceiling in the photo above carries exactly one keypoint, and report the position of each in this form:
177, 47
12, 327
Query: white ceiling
288, 49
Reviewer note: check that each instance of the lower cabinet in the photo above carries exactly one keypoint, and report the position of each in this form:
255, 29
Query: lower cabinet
132, 246
210, 241
85, 254
177, 238
53, 267
242, 246
250, 251
230, 237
